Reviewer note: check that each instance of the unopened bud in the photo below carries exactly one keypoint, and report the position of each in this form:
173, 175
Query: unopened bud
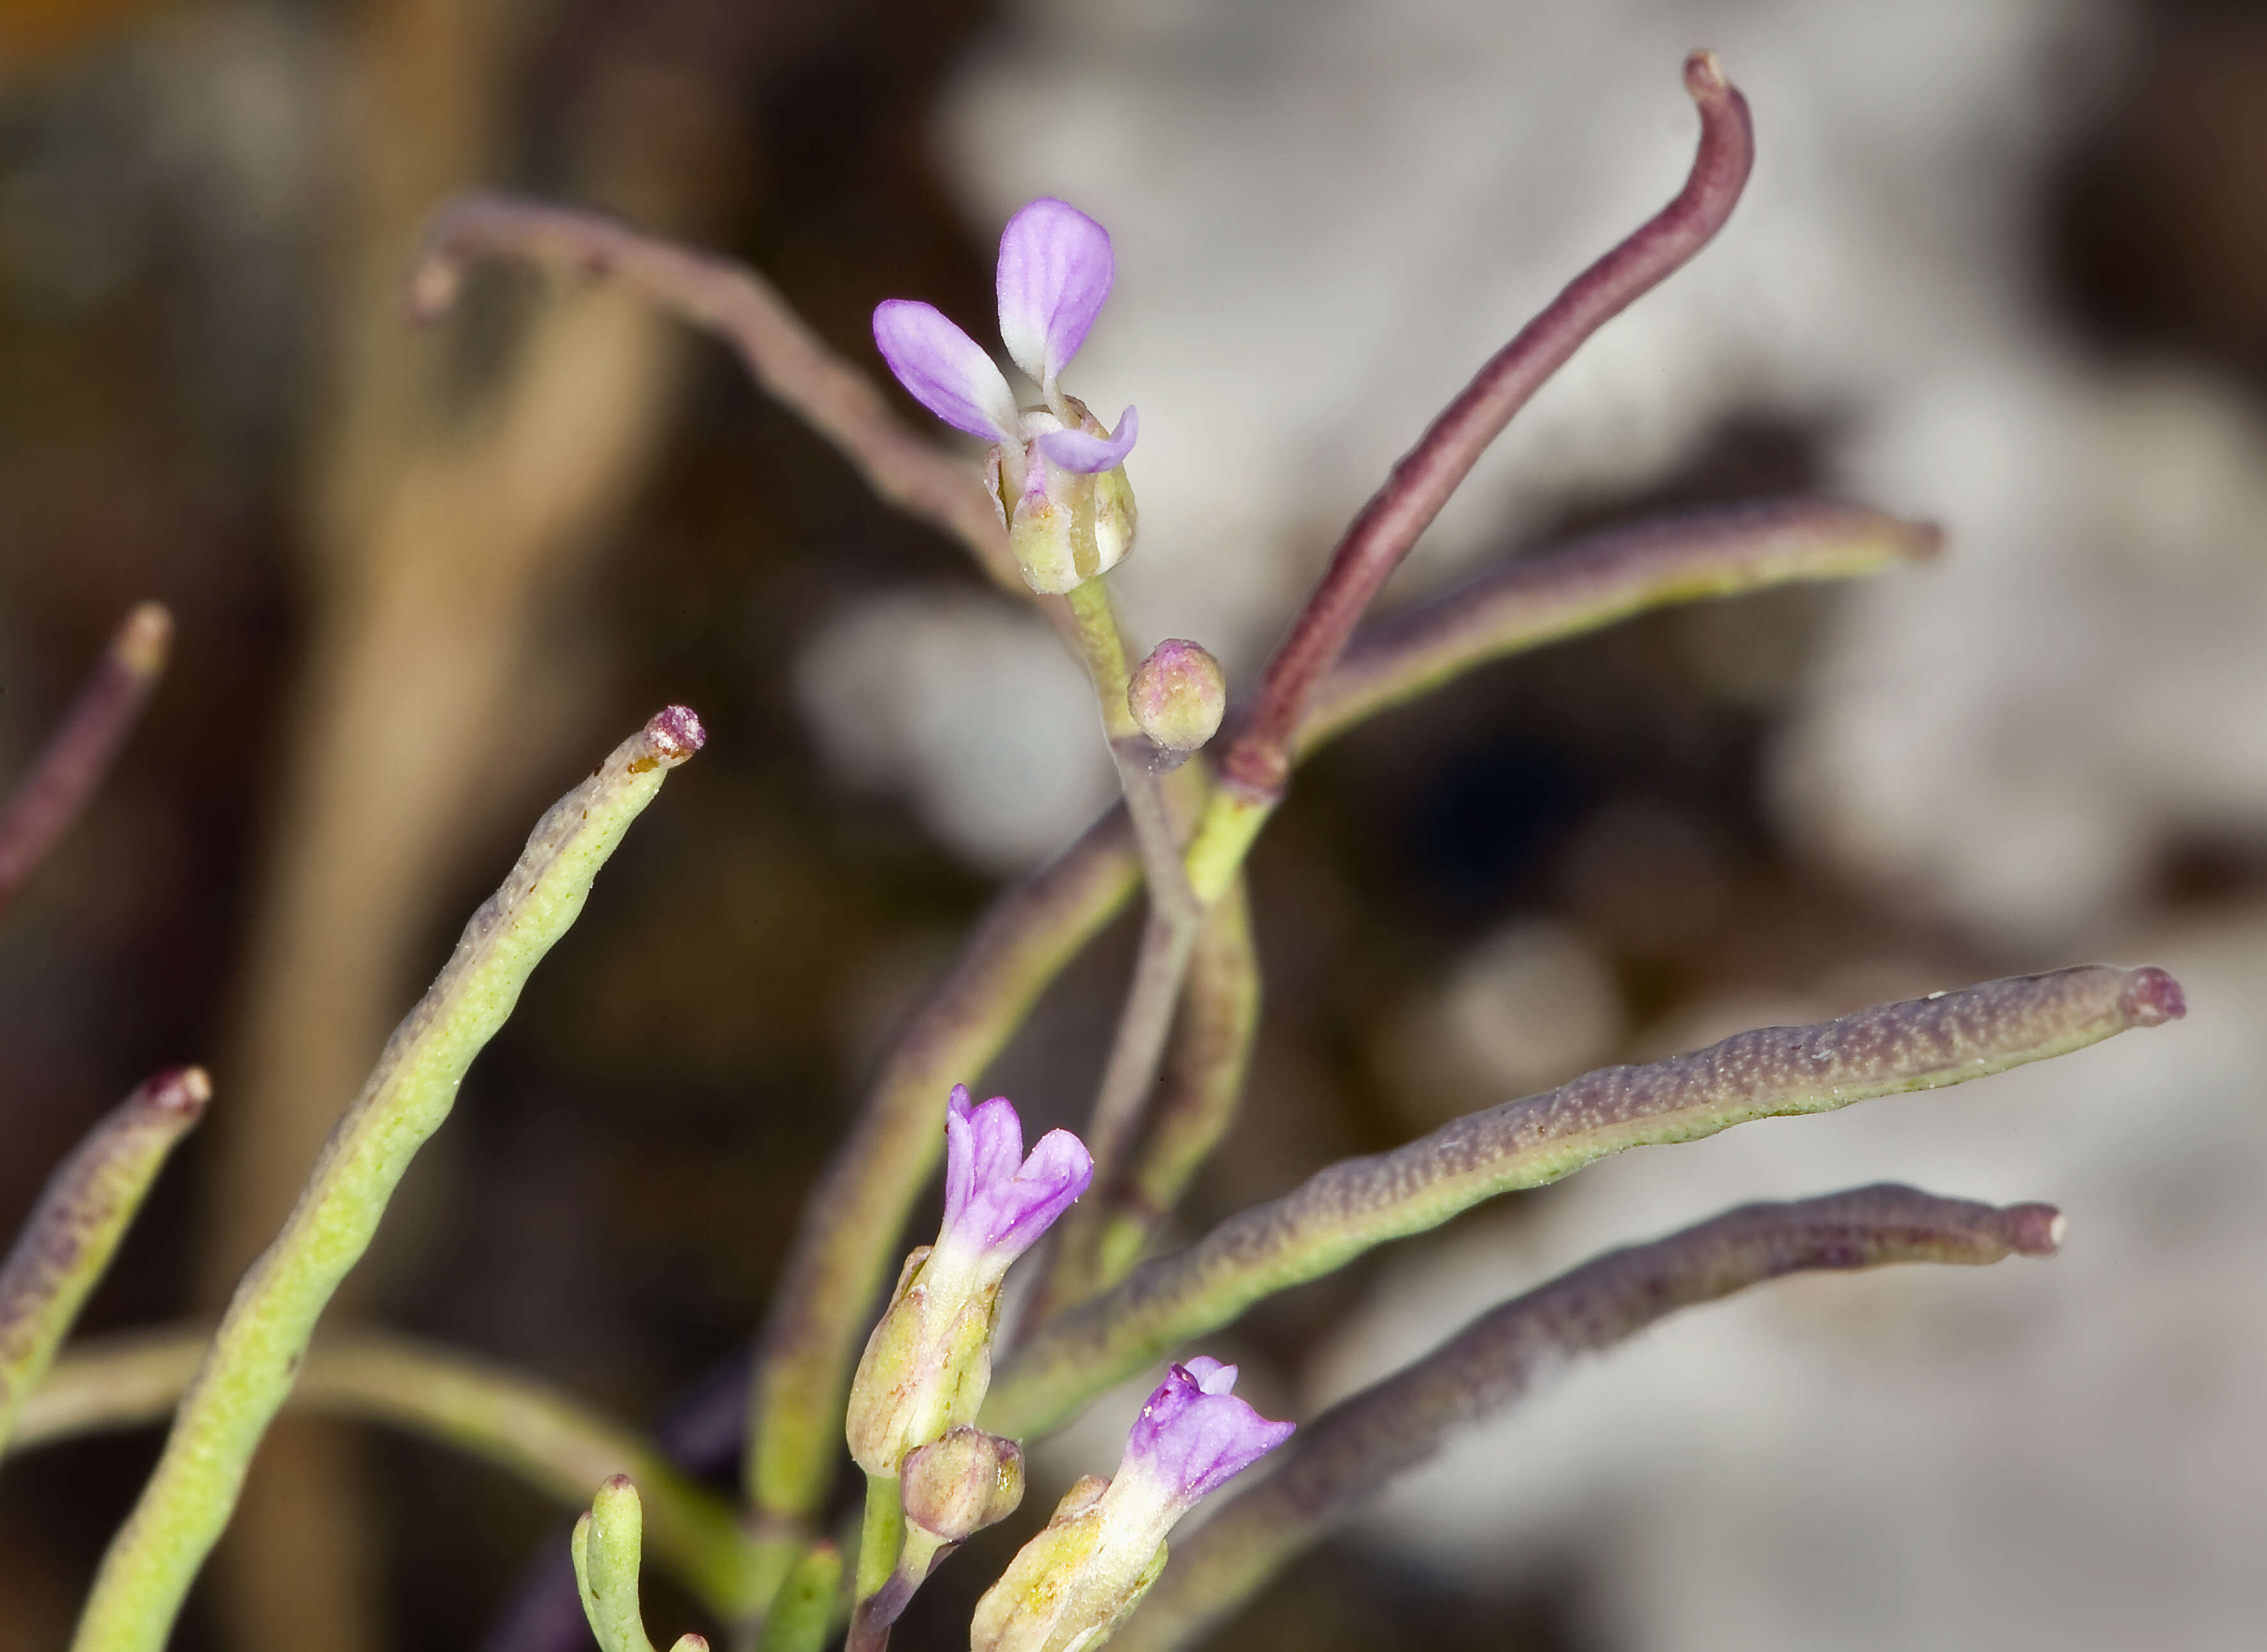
955, 1486
1178, 695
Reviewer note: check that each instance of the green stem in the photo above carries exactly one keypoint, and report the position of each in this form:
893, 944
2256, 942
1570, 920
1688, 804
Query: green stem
549, 1440
804, 1610
1357, 1204
881, 1541
74, 1230
256, 1352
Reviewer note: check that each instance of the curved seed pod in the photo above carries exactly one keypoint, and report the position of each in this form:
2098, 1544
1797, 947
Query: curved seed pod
1340, 1212
1351, 1450
73, 1233
263, 1338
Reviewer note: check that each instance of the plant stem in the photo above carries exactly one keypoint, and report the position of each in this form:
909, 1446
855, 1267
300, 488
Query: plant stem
64, 775
848, 1241
549, 1440
256, 1352
1129, 1076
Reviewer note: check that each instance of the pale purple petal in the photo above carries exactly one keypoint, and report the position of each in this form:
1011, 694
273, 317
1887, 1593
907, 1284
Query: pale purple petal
997, 1202
947, 371
1212, 1376
1055, 270
1076, 450
999, 1135
959, 1154
1194, 1436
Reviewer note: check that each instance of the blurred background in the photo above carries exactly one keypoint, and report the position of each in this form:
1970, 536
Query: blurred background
2003, 265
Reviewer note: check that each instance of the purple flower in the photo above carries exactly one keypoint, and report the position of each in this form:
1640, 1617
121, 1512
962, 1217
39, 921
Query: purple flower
928, 1361
1054, 471
1074, 1583
997, 1202
1195, 1435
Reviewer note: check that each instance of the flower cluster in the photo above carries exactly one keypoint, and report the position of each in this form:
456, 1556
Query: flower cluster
1055, 473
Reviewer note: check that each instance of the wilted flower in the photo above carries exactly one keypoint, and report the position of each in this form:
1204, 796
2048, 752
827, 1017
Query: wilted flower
1055, 473
1072, 1585
929, 1362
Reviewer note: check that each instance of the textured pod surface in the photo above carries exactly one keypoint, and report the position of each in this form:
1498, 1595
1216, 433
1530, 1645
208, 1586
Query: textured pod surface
1354, 1449
256, 1352
1920, 1044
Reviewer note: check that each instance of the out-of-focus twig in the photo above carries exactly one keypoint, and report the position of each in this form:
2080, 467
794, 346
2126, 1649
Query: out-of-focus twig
74, 1230
550, 1440
781, 353
1257, 764
1339, 1213
1597, 581
848, 1235
264, 1335
77, 754
1352, 1449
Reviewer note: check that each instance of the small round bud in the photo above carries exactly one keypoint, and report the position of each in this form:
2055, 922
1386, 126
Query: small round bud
955, 1485
1178, 695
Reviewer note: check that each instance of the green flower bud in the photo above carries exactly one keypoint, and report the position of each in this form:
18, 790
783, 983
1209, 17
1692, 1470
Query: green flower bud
1178, 695
1072, 1585
957, 1484
926, 1368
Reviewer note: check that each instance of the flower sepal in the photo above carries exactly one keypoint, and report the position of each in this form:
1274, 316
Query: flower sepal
1065, 525
1072, 1585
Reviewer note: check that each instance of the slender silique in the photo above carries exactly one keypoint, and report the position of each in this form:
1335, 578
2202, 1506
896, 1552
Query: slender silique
1340, 1212
75, 1229
1346, 1454
255, 1353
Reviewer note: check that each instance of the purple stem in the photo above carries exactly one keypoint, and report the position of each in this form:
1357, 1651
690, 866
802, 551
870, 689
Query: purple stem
1353, 1449
739, 306
77, 754
1258, 762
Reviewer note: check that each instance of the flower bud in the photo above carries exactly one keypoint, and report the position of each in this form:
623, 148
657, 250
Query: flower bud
1178, 695
1072, 1585
957, 1485
929, 1362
